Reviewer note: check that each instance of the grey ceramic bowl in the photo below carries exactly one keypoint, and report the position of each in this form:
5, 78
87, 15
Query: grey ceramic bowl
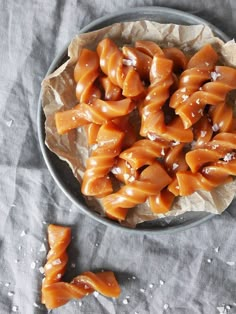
61, 171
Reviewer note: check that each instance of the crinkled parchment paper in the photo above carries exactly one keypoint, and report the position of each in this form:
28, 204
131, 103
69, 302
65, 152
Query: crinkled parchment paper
59, 92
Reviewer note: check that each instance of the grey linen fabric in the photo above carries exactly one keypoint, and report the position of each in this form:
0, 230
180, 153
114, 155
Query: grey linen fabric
189, 272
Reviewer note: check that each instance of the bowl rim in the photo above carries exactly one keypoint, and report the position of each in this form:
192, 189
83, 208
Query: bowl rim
41, 120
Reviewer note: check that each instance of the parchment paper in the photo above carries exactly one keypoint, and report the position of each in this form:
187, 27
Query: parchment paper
59, 92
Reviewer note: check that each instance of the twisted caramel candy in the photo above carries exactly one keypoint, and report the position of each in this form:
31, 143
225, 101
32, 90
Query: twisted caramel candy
60, 293
59, 238
139, 60
96, 181
213, 93
220, 146
56, 293
189, 182
151, 181
111, 63
144, 152
99, 112
85, 73
197, 73
152, 117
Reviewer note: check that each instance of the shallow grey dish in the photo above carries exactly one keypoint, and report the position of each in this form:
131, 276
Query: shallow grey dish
60, 170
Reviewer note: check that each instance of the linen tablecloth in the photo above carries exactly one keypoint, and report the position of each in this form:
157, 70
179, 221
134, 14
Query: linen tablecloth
190, 272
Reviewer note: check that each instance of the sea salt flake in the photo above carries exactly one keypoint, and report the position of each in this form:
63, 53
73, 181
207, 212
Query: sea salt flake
229, 156
94, 147
175, 143
96, 244
96, 294
48, 266
14, 308
203, 133
151, 285
23, 233
209, 260
175, 166
206, 170
142, 290
73, 265
129, 62
42, 248
9, 123
214, 76
10, 293
56, 262
221, 309
185, 97
7, 284
126, 176
152, 137
125, 301
198, 101
217, 249
80, 303
133, 277
36, 305
193, 114
215, 127
41, 270
58, 276
162, 152
32, 265
207, 63
165, 306
131, 179
230, 263
161, 282
116, 170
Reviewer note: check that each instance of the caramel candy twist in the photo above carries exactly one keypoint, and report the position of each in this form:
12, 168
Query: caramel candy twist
144, 152
112, 64
59, 238
99, 112
96, 181
197, 73
212, 93
56, 293
85, 73
151, 181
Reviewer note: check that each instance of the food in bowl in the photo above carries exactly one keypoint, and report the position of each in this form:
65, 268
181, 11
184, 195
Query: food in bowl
155, 123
